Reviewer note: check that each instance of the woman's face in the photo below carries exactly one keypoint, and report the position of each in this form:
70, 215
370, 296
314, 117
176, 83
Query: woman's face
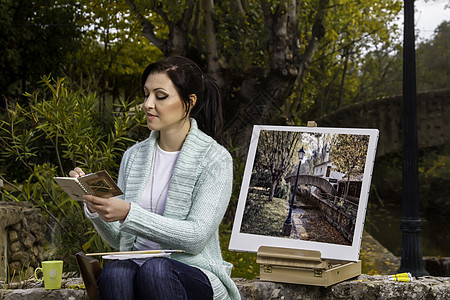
162, 105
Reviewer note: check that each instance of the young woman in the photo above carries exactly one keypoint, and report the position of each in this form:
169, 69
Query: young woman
177, 185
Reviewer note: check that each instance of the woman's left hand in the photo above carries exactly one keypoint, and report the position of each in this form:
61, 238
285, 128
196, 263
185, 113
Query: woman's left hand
109, 209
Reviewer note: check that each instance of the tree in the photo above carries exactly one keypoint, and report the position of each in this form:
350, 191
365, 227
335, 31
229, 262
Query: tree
336, 76
113, 54
348, 154
260, 50
433, 60
382, 70
35, 38
274, 154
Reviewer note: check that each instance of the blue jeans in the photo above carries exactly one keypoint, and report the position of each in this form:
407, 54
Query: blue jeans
158, 278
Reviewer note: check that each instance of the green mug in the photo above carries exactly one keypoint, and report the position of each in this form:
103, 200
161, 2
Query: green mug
52, 274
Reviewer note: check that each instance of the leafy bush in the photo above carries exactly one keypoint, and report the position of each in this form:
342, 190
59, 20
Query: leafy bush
60, 129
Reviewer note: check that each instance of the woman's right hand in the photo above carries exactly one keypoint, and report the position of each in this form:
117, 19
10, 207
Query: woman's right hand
77, 172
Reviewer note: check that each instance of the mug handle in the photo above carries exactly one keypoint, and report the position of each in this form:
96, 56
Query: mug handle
35, 274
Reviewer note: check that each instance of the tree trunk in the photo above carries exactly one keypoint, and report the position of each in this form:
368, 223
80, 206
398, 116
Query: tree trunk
273, 186
261, 97
262, 91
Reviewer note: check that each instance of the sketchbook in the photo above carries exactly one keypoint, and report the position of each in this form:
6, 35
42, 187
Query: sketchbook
99, 184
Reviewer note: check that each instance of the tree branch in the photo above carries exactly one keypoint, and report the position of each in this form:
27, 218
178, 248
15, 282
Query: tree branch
148, 28
268, 21
187, 14
196, 29
211, 43
318, 31
241, 12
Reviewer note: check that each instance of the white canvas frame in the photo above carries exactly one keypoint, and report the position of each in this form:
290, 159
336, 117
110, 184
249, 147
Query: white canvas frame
248, 242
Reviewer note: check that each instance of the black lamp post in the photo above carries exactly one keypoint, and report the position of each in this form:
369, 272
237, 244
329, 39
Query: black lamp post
411, 225
287, 226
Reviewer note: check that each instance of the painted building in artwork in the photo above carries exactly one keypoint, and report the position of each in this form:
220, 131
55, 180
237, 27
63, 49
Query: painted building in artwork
324, 168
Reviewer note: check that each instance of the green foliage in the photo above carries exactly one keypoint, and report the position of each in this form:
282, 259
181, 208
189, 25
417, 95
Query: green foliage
382, 71
434, 179
434, 183
348, 154
61, 129
113, 53
259, 211
355, 31
241, 37
433, 60
283, 190
244, 263
35, 39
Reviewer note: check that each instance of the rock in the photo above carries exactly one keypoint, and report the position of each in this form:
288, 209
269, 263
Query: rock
17, 227
25, 261
14, 267
13, 236
363, 287
15, 247
29, 241
16, 255
437, 266
74, 283
41, 293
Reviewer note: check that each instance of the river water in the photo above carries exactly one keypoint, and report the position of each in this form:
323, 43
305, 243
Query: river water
383, 223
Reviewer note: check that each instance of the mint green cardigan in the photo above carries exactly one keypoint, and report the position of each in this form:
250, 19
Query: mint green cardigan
196, 202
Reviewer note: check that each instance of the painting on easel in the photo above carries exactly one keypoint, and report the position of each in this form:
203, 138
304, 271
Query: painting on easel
305, 188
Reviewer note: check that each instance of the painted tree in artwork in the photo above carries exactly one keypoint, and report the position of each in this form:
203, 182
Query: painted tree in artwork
348, 154
274, 155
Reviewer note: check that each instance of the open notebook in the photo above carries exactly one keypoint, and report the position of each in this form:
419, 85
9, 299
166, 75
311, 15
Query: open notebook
98, 184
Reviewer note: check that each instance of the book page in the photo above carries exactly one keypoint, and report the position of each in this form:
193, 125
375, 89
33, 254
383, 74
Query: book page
71, 187
100, 184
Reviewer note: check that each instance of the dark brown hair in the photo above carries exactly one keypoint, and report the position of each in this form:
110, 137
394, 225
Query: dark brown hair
188, 79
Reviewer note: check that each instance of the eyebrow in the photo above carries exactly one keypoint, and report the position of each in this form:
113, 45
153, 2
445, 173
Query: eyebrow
156, 89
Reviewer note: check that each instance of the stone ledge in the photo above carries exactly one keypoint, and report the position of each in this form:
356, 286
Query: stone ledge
363, 287
41, 293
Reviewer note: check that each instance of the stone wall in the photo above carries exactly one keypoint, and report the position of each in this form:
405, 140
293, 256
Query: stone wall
385, 114
437, 266
363, 287
341, 218
22, 240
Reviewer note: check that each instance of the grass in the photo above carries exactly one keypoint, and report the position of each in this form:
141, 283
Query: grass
244, 263
274, 214
270, 213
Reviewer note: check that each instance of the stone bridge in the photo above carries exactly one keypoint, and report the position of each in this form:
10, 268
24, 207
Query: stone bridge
385, 114
318, 182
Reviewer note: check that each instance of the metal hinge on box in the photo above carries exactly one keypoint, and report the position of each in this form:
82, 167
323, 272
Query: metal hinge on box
267, 269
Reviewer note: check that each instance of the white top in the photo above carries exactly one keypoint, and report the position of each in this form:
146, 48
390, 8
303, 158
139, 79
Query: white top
156, 202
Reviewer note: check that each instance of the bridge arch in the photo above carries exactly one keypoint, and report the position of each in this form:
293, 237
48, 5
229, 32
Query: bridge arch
385, 114
318, 182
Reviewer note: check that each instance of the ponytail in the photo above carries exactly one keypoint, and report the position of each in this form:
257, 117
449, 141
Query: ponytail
208, 111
